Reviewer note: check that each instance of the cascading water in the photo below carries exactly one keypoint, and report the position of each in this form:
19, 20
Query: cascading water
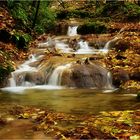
49, 43
62, 46
19, 73
55, 78
84, 48
111, 43
72, 30
29, 76
83, 45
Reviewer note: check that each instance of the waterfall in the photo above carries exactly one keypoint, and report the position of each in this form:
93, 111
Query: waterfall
72, 30
55, 78
18, 76
111, 43
109, 84
83, 45
12, 80
84, 48
63, 47
34, 72
50, 43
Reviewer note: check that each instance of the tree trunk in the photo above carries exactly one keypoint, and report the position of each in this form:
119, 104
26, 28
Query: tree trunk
97, 3
62, 3
37, 8
34, 3
139, 2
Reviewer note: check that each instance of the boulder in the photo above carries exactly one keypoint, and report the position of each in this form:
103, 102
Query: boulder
32, 78
87, 76
120, 76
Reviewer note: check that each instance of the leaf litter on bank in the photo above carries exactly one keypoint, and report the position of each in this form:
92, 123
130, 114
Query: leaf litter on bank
106, 125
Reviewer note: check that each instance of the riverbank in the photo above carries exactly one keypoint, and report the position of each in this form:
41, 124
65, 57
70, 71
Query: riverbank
26, 122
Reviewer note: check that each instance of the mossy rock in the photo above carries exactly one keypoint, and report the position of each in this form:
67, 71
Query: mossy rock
80, 14
66, 14
92, 28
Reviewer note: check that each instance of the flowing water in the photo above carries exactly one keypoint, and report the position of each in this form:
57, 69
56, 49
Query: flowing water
29, 86
74, 101
72, 30
55, 78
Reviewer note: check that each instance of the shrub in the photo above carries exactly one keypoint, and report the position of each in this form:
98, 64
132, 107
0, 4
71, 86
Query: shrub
107, 9
24, 14
21, 40
132, 11
117, 10
19, 11
46, 19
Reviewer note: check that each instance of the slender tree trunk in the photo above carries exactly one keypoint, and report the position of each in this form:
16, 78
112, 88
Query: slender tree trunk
36, 13
34, 3
62, 3
139, 2
97, 3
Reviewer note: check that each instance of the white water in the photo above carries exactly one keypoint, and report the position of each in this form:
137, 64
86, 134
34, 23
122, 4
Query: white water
63, 47
54, 81
55, 78
24, 85
72, 30
49, 43
21, 69
20, 89
83, 45
84, 48
110, 43
109, 81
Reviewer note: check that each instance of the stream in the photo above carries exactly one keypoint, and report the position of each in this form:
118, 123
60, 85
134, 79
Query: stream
74, 101
64, 84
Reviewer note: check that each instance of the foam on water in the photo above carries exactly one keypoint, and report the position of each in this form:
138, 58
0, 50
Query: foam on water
72, 30
63, 47
21, 89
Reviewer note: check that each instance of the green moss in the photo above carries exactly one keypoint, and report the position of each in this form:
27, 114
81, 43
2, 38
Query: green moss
92, 28
80, 14
66, 14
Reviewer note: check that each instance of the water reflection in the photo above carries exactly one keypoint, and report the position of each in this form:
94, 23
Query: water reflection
75, 101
